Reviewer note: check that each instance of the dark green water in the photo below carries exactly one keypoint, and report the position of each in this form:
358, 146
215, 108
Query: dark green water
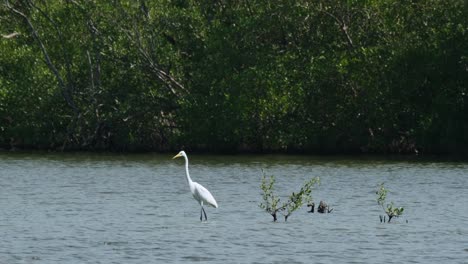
103, 208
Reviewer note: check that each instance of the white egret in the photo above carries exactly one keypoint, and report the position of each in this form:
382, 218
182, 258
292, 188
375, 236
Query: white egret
200, 193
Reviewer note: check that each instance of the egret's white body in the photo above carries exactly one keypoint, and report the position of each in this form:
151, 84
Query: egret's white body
200, 193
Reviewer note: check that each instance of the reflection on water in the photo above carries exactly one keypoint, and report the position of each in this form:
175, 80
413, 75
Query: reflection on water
105, 208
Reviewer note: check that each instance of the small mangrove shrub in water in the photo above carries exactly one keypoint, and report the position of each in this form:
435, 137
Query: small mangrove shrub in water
389, 209
271, 202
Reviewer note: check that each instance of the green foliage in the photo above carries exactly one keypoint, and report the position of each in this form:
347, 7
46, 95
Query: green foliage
295, 201
270, 200
389, 209
381, 194
329, 76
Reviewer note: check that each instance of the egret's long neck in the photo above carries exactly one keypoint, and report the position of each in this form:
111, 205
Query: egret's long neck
189, 180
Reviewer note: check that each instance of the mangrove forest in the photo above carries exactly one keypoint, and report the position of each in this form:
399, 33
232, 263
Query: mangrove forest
308, 76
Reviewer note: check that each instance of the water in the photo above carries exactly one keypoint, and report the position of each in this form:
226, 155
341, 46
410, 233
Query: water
102, 208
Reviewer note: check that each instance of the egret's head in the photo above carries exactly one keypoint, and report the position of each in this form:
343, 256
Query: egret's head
180, 154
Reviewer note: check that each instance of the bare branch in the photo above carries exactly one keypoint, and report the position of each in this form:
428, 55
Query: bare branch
65, 54
48, 61
11, 35
162, 75
343, 26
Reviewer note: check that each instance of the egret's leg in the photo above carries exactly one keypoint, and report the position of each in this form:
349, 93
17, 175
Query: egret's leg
203, 209
201, 214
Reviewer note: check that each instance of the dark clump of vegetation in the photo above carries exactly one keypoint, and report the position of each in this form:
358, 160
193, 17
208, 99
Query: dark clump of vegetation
271, 202
322, 208
389, 209
319, 77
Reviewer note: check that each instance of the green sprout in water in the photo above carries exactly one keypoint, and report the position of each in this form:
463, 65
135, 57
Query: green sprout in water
271, 202
390, 210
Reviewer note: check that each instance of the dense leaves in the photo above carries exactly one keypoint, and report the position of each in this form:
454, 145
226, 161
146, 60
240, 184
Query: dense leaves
310, 76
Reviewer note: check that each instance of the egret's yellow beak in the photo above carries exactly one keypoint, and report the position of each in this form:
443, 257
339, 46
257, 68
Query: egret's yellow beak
176, 156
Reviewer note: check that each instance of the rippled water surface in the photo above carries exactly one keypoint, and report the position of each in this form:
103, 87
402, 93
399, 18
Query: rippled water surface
102, 208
